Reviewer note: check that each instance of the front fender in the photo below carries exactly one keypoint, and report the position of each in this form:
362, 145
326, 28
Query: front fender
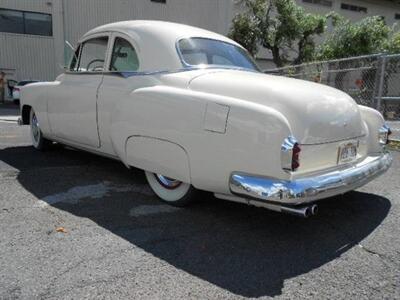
35, 96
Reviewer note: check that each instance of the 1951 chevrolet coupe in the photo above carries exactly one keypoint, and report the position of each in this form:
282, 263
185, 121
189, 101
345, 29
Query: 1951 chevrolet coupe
191, 109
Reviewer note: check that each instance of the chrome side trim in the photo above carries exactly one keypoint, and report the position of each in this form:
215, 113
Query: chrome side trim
308, 189
384, 132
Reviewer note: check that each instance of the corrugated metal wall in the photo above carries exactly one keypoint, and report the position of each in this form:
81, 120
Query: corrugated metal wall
82, 16
40, 57
32, 57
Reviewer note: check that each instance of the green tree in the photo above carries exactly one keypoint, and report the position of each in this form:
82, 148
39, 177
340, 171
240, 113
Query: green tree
280, 26
368, 36
393, 44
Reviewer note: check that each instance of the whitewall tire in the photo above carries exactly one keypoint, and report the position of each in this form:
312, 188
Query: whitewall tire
171, 191
38, 141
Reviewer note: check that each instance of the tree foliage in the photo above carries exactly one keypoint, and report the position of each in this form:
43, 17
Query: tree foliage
284, 28
368, 36
280, 26
393, 44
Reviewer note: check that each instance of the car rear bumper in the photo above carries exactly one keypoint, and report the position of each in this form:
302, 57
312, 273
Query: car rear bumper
312, 188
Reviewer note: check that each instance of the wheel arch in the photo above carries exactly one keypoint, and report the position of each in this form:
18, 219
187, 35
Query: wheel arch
158, 156
25, 111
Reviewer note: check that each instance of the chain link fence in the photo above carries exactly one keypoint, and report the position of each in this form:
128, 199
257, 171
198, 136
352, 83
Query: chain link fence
372, 80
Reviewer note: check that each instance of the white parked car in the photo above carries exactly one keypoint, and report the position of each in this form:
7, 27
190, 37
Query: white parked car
191, 109
17, 88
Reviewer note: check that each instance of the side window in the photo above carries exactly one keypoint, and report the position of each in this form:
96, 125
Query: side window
124, 57
93, 55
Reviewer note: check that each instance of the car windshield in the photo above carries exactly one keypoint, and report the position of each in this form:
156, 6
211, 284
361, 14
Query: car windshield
202, 52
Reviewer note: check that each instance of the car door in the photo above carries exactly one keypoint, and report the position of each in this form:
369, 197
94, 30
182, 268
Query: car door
122, 77
72, 104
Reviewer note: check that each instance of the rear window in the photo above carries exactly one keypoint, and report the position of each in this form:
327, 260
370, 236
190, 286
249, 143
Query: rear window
208, 52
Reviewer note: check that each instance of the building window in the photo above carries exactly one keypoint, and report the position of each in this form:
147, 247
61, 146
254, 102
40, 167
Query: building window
24, 22
397, 16
159, 1
320, 2
354, 8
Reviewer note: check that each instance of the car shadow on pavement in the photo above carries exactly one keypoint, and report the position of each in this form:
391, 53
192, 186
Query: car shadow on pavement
248, 251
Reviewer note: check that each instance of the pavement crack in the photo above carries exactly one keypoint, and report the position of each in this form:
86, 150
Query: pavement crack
385, 259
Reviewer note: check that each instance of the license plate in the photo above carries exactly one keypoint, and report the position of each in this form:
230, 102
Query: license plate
347, 153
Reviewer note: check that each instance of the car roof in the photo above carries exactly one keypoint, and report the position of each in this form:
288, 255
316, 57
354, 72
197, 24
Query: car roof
161, 29
156, 41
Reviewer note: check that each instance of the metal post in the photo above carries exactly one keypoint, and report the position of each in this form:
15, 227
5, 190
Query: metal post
381, 83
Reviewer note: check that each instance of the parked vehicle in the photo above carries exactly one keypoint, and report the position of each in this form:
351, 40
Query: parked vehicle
192, 109
17, 88
11, 83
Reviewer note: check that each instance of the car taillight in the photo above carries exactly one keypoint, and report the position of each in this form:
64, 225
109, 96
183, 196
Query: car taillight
290, 154
296, 157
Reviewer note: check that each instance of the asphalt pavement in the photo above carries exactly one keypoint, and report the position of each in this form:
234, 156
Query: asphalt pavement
75, 226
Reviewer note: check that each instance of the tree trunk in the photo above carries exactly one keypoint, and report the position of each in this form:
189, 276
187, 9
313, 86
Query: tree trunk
277, 57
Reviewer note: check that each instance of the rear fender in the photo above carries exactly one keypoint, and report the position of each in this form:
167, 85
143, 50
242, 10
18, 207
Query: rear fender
373, 120
206, 137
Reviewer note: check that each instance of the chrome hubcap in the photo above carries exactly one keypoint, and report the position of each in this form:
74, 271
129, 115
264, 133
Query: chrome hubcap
168, 183
35, 128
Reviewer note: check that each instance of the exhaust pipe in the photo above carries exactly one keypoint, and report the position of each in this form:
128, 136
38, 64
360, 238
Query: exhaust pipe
304, 212
314, 209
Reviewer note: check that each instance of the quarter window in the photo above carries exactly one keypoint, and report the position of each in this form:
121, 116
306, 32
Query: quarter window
93, 55
16, 21
124, 57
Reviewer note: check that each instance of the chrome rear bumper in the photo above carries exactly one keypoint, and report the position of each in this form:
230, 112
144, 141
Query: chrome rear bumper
308, 189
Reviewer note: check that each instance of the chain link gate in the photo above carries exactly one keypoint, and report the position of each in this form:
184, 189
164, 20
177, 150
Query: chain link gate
372, 80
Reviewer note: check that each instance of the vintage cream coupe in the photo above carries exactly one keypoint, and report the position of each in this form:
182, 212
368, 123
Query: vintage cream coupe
191, 109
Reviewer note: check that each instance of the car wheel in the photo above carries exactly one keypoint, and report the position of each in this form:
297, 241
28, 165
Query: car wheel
171, 191
38, 141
